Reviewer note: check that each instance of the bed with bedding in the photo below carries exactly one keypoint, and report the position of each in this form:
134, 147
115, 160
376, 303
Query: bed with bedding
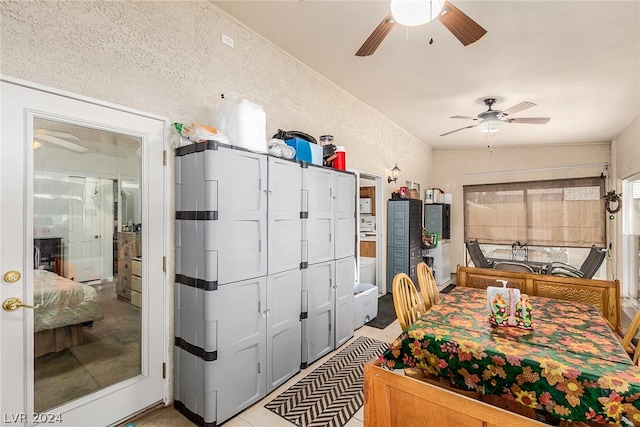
63, 306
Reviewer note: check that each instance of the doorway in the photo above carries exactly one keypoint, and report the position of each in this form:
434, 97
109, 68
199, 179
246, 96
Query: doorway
370, 214
81, 352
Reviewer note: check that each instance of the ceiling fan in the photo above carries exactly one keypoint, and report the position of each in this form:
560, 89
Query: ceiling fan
491, 121
463, 28
62, 139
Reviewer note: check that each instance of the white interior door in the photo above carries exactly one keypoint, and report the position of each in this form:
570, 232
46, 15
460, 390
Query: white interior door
85, 231
71, 367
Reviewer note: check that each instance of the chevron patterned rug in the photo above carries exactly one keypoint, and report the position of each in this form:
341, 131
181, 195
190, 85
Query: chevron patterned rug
333, 392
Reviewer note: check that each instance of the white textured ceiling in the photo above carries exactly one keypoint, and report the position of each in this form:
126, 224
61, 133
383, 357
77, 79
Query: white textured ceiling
579, 61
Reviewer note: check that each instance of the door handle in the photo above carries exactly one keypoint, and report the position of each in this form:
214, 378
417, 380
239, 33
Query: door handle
14, 303
97, 236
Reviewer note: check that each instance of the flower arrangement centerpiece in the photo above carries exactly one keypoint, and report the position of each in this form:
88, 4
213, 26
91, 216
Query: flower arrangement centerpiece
507, 307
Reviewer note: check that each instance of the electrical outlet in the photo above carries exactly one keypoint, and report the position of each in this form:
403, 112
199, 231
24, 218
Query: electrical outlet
227, 40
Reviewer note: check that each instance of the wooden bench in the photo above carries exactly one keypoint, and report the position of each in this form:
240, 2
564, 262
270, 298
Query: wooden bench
603, 294
395, 400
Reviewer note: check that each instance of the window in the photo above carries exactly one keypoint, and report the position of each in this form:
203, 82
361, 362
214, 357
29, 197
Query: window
566, 212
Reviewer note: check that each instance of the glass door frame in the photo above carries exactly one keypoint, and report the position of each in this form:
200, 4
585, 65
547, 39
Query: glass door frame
32, 101
630, 256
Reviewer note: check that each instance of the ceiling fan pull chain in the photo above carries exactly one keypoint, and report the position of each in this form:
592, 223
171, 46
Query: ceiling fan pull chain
430, 22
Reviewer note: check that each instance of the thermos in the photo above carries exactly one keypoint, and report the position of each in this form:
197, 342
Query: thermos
340, 162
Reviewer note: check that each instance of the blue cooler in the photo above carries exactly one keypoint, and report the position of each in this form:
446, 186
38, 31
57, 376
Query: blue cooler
306, 151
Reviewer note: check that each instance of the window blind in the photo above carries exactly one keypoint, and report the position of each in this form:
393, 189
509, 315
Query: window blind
566, 212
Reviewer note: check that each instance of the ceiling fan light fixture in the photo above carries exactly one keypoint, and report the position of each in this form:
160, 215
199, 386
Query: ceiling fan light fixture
415, 12
490, 125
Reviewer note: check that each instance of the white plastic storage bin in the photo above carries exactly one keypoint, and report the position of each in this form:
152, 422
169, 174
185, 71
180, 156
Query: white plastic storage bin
368, 270
366, 303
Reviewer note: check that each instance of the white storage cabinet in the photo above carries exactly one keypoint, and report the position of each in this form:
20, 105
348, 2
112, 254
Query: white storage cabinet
441, 262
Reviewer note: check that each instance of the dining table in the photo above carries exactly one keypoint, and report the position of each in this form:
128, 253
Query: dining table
570, 366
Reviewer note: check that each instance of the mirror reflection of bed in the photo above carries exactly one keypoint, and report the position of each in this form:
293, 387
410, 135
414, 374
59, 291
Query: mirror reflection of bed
64, 308
86, 337
87, 333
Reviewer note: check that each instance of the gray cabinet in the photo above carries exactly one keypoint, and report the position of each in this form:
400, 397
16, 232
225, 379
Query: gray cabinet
318, 214
404, 234
318, 308
221, 213
329, 236
284, 223
217, 365
344, 302
345, 224
238, 279
283, 327
437, 219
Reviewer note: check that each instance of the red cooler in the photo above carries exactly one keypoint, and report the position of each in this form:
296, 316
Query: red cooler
340, 162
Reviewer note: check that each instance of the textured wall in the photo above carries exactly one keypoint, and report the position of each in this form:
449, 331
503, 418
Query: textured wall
167, 58
452, 170
628, 150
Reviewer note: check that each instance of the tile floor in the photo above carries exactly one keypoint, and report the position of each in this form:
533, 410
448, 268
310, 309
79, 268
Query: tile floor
258, 416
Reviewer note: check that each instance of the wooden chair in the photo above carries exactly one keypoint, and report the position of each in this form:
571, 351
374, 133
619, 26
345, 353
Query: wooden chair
406, 300
626, 340
632, 350
428, 286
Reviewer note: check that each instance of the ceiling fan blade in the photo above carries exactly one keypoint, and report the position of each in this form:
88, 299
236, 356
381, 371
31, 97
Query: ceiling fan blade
378, 35
530, 120
464, 28
56, 133
519, 107
61, 142
464, 117
466, 127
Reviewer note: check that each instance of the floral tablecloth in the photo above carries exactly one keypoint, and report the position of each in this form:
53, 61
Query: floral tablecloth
570, 365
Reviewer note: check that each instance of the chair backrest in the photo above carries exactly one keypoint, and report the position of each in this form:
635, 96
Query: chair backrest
512, 266
428, 285
476, 254
406, 300
593, 261
628, 336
